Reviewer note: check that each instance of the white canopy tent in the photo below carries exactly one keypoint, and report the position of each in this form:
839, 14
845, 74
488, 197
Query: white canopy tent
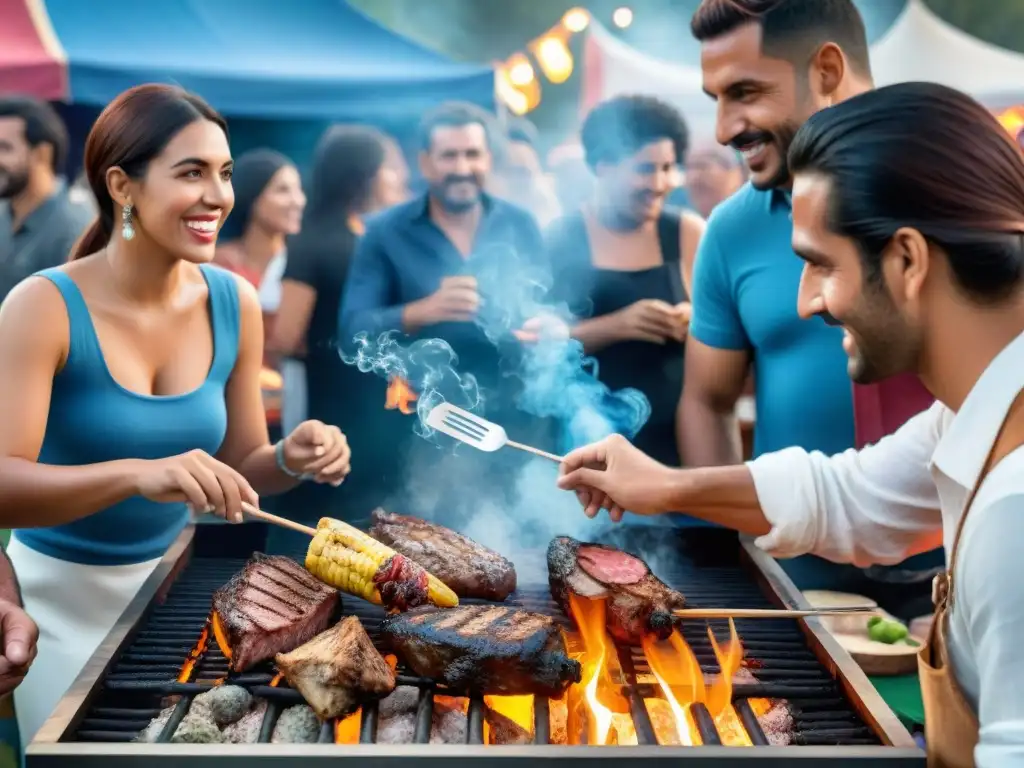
921, 46
918, 46
613, 68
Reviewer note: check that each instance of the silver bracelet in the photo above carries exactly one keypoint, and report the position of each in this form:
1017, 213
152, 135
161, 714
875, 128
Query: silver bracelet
281, 465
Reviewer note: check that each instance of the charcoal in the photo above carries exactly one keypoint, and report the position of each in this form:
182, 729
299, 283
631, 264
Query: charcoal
296, 725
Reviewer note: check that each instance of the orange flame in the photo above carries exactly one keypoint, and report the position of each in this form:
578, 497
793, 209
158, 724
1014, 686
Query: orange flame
220, 635
678, 674
602, 697
194, 655
400, 396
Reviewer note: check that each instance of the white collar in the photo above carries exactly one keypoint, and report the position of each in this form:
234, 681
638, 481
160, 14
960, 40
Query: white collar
966, 442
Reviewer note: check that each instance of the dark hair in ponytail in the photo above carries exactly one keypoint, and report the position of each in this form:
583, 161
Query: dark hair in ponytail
132, 130
925, 156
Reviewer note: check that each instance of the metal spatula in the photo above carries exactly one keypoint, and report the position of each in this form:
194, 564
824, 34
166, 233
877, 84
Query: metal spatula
481, 434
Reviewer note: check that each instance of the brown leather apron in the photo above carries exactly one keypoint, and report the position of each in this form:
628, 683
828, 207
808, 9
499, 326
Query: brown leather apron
950, 724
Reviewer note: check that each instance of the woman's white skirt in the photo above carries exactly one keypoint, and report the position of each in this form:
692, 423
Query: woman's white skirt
75, 607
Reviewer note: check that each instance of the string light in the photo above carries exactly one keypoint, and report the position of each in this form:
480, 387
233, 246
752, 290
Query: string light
554, 58
622, 17
520, 70
576, 20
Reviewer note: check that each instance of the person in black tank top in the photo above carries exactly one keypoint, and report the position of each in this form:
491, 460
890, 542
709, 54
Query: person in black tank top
622, 262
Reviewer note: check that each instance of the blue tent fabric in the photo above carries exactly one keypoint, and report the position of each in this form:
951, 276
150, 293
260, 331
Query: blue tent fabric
299, 59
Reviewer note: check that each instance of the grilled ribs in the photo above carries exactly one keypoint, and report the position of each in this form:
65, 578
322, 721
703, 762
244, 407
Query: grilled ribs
484, 648
469, 569
639, 603
273, 605
337, 670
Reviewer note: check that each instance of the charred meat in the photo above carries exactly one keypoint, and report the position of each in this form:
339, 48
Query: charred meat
337, 670
271, 606
485, 648
638, 602
470, 569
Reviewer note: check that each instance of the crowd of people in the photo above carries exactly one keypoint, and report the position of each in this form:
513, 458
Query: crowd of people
130, 370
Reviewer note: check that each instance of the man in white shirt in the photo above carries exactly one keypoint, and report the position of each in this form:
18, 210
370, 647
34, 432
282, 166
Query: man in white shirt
915, 246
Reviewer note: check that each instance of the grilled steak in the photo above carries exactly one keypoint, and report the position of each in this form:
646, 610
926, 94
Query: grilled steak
484, 648
271, 606
337, 670
638, 602
469, 569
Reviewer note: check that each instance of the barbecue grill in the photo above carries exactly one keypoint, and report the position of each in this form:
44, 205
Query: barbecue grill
836, 713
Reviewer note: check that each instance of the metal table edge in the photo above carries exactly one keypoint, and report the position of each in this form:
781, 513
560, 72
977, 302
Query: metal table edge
62, 721
97, 755
831, 653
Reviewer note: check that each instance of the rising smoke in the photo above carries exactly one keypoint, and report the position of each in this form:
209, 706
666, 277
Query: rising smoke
558, 381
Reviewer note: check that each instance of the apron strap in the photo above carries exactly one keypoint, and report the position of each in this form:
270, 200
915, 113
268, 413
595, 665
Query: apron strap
670, 225
1009, 438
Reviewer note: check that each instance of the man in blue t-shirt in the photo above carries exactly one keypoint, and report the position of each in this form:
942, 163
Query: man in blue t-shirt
769, 68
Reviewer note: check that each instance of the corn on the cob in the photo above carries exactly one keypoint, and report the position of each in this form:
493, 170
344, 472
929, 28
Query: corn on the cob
342, 555
343, 568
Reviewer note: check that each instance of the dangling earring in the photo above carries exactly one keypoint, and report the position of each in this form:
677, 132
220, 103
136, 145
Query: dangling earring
127, 230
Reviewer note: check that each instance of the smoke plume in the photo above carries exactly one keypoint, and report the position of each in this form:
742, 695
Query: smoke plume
558, 381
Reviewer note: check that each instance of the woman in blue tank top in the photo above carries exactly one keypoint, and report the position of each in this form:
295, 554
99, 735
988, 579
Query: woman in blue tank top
129, 387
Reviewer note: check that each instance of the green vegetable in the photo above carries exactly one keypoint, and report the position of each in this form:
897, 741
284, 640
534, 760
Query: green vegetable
886, 631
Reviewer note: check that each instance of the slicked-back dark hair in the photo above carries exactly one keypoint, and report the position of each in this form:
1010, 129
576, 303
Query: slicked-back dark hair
622, 126
790, 29
929, 157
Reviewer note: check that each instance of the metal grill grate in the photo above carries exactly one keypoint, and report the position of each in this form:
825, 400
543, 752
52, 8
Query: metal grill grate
779, 657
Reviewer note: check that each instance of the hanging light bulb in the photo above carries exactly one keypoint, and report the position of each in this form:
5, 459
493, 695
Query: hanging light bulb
576, 19
515, 99
622, 17
554, 58
520, 70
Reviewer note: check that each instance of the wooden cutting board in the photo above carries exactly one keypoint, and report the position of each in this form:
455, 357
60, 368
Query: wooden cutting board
852, 633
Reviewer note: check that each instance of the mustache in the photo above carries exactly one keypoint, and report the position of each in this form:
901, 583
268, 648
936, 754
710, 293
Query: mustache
453, 179
747, 138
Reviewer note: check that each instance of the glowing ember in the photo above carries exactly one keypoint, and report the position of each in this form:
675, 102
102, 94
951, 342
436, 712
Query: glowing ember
346, 730
277, 680
518, 709
400, 396
194, 655
220, 635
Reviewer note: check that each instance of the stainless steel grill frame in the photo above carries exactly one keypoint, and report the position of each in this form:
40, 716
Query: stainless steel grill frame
54, 746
